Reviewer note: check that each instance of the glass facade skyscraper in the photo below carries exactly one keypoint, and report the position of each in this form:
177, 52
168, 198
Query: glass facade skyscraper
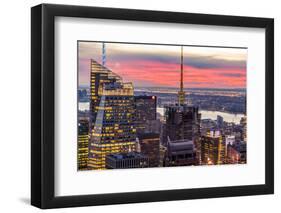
213, 148
182, 122
145, 112
83, 141
112, 115
150, 146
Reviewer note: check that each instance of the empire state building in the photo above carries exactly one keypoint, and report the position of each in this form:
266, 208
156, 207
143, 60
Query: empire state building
182, 120
181, 93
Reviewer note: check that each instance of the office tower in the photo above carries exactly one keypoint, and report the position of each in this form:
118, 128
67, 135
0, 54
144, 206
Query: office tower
236, 152
182, 122
219, 121
243, 123
99, 75
213, 148
83, 142
145, 107
181, 93
181, 153
112, 116
126, 160
150, 146
145, 112
153, 126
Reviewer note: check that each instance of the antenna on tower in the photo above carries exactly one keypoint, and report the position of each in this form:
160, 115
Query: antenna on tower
181, 93
181, 84
103, 54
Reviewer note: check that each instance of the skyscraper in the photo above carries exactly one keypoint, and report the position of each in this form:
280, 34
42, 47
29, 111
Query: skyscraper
150, 146
219, 121
112, 115
83, 142
236, 152
145, 112
243, 123
182, 120
213, 148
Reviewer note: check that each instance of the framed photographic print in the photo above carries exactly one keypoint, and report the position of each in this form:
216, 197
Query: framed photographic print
139, 106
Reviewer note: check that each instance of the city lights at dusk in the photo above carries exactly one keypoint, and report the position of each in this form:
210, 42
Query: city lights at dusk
148, 105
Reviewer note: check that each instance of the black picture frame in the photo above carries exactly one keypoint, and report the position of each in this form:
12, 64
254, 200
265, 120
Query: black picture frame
43, 102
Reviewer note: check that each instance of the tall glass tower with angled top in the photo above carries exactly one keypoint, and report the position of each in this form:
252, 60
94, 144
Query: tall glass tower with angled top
112, 114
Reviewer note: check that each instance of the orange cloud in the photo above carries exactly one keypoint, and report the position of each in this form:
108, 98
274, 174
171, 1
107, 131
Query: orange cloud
148, 73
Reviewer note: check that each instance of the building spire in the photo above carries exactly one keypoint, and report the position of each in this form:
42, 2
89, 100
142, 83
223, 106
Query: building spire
181, 85
181, 93
103, 54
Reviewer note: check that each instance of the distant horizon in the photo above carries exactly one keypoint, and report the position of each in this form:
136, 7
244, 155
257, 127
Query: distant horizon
196, 88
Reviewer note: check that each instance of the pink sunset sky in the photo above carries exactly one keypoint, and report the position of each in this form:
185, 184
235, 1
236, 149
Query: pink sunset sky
159, 65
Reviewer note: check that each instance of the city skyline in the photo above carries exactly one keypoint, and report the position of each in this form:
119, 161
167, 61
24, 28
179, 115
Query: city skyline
123, 128
158, 65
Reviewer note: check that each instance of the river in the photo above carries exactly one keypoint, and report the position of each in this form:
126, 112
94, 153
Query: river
205, 114
228, 117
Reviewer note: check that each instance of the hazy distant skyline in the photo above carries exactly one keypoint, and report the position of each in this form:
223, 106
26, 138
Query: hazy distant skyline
159, 65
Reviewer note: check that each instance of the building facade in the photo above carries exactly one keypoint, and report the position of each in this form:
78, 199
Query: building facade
236, 153
243, 123
126, 160
219, 121
150, 146
162, 155
181, 153
145, 112
182, 122
112, 116
213, 148
83, 142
